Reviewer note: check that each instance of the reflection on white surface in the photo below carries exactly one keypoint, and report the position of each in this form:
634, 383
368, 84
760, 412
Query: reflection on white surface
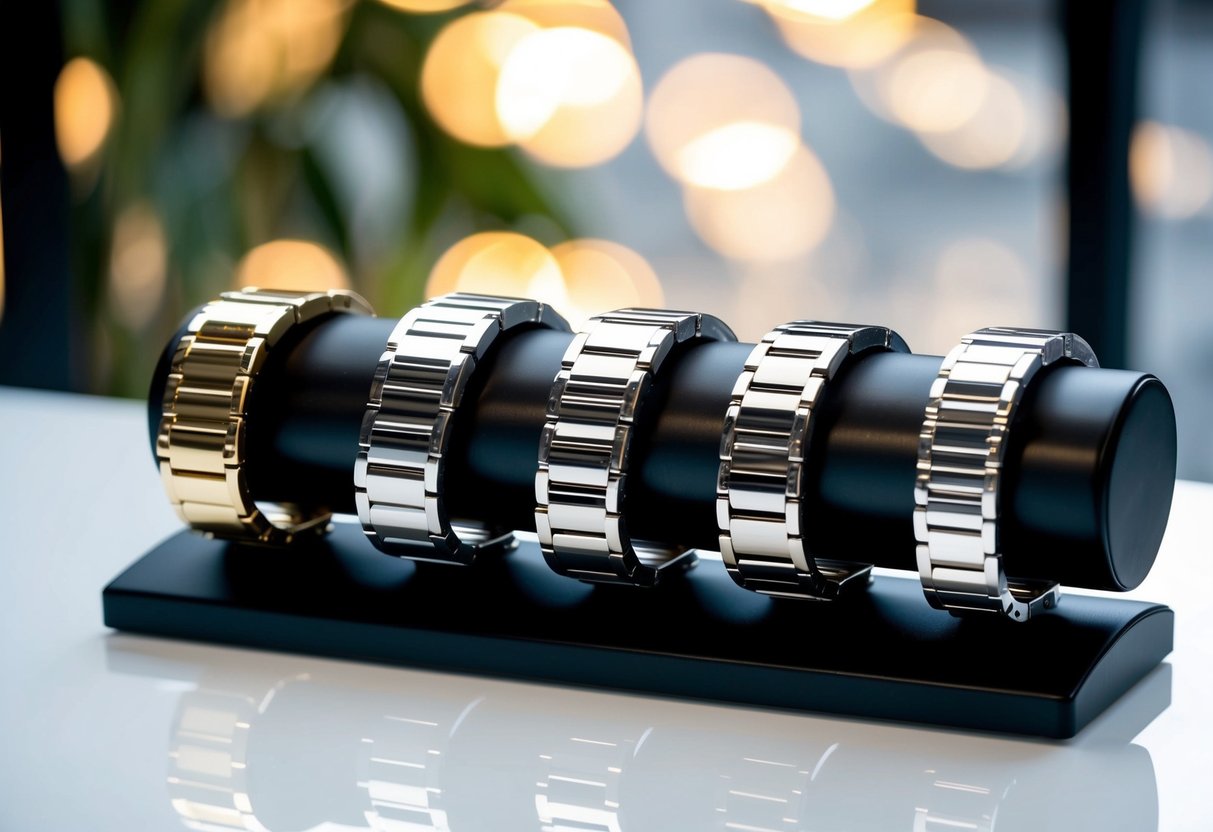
272, 742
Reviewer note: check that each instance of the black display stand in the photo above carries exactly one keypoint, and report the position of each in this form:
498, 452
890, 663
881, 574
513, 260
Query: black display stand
1089, 470
887, 655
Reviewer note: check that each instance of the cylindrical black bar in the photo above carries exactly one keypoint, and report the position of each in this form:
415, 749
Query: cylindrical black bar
1089, 469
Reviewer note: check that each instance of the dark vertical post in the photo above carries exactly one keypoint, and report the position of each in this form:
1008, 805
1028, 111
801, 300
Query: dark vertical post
1103, 47
35, 330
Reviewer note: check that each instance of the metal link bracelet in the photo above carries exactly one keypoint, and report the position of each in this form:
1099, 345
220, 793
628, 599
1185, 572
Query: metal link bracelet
200, 444
767, 431
406, 432
961, 451
581, 484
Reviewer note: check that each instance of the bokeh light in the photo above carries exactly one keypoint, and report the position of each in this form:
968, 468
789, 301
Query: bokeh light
784, 297
977, 282
570, 97
827, 9
425, 6
779, 219
993, 136
934, 91
722, 121
847, 33
259, 50
1046, 123
291, 265
736, 156
596, 15
1171, 170
85, 104
499, 263
934, 83
138, 266
460, 73
600, 275
556, 79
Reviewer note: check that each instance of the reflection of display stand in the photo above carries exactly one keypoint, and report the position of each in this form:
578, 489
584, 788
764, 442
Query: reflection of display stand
485, 754
887, 656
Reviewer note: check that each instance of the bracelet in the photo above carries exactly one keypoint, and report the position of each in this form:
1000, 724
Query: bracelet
580, 487
767, 431
960, 460
200, 444
419, 383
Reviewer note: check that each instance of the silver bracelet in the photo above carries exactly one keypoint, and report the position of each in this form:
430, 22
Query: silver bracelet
418, 384
767, 431
960, 458
583, 454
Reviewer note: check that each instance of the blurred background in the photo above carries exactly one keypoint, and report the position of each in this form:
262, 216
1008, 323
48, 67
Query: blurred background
932, 166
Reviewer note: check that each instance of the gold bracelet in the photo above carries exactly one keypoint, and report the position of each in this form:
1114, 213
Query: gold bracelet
201, 443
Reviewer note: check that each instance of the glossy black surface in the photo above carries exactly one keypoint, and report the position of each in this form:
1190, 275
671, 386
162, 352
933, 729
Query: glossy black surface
886, 656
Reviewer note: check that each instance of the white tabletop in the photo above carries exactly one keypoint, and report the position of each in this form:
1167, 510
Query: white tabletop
106, 731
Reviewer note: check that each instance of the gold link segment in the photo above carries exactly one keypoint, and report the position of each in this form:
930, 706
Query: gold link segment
201, 441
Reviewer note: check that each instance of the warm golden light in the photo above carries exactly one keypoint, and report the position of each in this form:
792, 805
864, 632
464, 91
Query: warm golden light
461, 70
848, 33
291, 265
992, 137
933, 83
934, 91
600, 275
425, 6
722, 121
596, 15
85, 101
1171, 170
780, 219
570, 97
499, 263
258, 50
138, 266
828, 9
738, 155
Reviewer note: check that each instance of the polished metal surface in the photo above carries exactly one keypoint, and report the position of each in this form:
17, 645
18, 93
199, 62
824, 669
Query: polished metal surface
767, 431
200, 445
965, 430
583, 454
419, 383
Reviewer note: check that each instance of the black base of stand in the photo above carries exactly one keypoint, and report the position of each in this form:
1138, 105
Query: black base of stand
886, 656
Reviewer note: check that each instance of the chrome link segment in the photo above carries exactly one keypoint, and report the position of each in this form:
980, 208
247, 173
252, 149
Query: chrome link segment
961, 451
583, 454
767, 431
419, 383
